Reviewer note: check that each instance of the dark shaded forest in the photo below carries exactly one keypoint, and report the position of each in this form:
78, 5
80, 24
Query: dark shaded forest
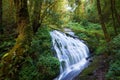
26, 47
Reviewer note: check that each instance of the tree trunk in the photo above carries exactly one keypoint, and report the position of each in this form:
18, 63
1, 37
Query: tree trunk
107, 37
10, 61
0, 12
116, 13
113, 17
36, 15
1, 30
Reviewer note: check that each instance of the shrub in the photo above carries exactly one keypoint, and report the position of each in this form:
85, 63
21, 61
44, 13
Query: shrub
114, 69
41, 43
46, 68
40, 63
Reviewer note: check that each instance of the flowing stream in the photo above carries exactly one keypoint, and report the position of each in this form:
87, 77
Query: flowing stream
72, 54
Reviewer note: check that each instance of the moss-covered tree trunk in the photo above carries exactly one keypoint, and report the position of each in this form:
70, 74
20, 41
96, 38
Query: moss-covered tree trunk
36, 15
10, 61
107, 36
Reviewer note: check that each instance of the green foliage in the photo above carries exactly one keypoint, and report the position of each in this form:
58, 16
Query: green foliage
45, 68
114, 69
54, 19
28, 70
48, 67
90, 33
40, 64
84, 22
101, 48
41, 43
86, 10
5, 44
116, 43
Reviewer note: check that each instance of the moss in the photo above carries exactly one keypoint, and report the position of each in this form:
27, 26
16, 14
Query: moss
89, 71
20, 48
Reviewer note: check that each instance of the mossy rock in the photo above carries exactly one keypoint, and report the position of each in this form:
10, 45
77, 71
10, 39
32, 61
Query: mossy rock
88, 73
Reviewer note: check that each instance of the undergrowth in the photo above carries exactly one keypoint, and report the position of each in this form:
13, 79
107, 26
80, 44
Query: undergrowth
40, 63
91, 33
114, 64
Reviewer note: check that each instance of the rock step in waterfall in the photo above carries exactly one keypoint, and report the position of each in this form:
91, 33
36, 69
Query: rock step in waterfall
72, 54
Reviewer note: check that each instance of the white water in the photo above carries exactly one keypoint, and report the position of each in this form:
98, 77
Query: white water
72, 54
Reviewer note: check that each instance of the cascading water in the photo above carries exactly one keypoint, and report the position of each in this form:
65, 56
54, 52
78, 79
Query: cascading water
72, 54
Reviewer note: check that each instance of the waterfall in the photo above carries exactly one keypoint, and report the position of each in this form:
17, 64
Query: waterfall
72, 54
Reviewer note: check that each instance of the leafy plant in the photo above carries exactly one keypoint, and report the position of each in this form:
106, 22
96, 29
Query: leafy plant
40, 63
114, 69
48, 67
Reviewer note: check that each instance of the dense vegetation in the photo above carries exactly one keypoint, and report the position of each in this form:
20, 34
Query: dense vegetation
25, 42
